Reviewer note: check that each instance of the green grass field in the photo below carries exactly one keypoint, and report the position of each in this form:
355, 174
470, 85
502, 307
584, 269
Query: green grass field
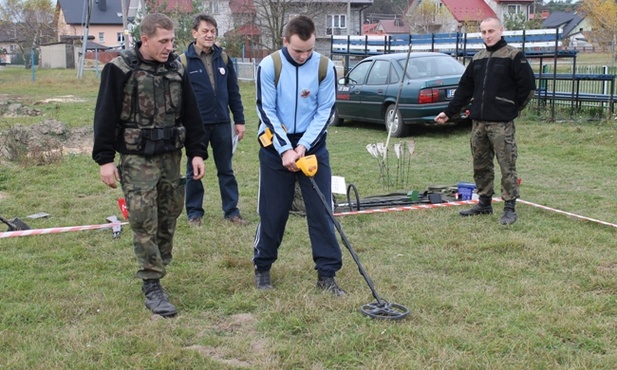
539, 294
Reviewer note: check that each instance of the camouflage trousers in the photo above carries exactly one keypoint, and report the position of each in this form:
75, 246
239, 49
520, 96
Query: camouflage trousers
490, 140
154, 194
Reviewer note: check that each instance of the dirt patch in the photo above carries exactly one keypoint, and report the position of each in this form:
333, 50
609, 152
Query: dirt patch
241, 326
48, 139
62, 99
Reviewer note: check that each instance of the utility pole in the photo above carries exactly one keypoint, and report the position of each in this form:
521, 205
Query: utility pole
84, 44
125, 31
348, 17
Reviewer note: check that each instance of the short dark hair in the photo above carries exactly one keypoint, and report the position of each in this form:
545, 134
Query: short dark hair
302, 26
203, 18
154, 21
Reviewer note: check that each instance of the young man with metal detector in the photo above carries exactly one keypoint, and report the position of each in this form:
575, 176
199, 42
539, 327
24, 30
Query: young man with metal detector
294, 111
499, 83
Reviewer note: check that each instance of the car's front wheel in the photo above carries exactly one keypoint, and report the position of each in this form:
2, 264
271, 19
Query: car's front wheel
394, 122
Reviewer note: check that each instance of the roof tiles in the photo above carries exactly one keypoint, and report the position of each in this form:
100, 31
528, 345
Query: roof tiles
469, 10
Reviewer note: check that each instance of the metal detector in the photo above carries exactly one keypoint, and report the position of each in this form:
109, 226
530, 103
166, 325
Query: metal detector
378, 310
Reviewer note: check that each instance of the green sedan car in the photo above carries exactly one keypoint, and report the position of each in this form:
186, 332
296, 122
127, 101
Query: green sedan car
424, 85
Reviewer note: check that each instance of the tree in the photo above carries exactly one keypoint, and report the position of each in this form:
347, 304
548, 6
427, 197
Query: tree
385, 9
182, 12
32, 23
561, 6
603, 15
428, 17
519, 21
274, 15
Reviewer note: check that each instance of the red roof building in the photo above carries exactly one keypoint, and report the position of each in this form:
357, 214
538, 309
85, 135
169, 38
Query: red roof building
469, 10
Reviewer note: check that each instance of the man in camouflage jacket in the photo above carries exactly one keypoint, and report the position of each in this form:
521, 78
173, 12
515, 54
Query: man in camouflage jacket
147, 112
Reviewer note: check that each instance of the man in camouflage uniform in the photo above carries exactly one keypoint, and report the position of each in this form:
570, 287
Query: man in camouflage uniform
499, 83
147, 112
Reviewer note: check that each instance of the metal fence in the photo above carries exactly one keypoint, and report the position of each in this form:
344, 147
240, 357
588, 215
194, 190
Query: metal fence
586, 84
578, 89
245, 68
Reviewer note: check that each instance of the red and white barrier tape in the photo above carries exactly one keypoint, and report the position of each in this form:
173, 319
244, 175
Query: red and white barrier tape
410, 208
56, 230
566, 213
462, 202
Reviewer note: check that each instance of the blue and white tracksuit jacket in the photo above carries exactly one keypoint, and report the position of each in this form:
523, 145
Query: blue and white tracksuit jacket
296, 110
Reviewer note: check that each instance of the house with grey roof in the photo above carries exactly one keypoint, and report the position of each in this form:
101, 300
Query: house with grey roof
106, 23
572, 25
8, 37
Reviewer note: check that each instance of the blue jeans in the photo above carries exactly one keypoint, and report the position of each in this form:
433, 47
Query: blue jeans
219, 137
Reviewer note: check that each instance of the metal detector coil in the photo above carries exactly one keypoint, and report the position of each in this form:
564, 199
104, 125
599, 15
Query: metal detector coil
377, 310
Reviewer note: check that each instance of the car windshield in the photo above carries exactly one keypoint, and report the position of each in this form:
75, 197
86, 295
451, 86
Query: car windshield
432, 66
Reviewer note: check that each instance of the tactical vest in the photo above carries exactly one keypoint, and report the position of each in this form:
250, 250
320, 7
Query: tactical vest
151, 105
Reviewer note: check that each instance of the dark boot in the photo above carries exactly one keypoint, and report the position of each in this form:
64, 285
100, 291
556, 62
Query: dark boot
328, 284
483, 207
509, 214
157, 300
262, 280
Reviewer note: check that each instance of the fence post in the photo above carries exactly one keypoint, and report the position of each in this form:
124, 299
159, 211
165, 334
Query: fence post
365, 44
433, 41
605, 83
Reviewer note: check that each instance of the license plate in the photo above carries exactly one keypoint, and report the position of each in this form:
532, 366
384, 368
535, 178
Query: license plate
450, 93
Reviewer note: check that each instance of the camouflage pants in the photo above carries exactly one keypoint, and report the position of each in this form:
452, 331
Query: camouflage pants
154, 194
490, 140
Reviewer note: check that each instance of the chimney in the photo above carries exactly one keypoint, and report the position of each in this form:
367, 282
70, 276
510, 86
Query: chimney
102, 5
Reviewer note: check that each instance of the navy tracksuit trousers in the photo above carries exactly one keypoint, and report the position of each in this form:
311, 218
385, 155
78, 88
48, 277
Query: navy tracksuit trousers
276, 192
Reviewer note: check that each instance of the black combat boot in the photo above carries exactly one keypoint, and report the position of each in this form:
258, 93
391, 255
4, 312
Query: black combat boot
509, 214
328, 284
262, 280
483, 207
157, 300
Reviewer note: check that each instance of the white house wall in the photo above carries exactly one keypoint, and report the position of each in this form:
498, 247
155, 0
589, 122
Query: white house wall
501, 9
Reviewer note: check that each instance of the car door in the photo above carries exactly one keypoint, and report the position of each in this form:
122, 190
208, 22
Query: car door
348, 93
374, 91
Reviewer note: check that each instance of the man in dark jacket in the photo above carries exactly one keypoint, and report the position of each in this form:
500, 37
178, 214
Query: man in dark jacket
215, 83
499, 82
146, 111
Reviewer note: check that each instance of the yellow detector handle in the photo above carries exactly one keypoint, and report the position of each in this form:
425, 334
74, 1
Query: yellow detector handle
308, 165
266, 138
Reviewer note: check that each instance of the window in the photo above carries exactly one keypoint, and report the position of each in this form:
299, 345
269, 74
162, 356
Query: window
101, 36
335, 22
379, 73
513, 9
393, 75
213, 7
120, 37
356, 76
